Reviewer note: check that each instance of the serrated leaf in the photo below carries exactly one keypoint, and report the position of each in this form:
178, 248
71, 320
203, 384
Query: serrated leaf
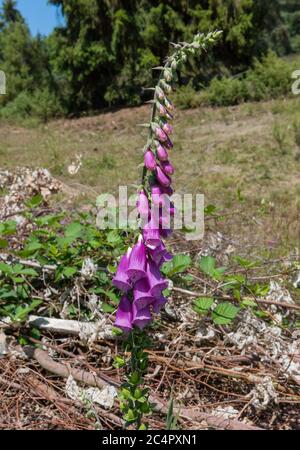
106, 308
207, 265
73, 230
34, 201
178, 264
203, 305
3, 243
224, 313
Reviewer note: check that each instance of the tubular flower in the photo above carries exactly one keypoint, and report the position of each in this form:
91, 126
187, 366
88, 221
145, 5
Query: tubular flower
151, 233
143, 205
121, 279
156, 282
160, 134
149, 160
141, 317
137, 262
167, 128
141, 294
162, 153
167, 167
162, 178
124, 314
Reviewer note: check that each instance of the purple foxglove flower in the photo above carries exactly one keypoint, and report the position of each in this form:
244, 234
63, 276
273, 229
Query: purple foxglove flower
165, 233
160, 254
167, 167
156, 281
121, 280
169, 115
162, 153
141, 294
151, 234
167, 190
160, 134
157, 195
141, 317
137, 262
143, 205
169, 143
164, 222
167, 128
162, 110
162, 178
160, 93
124, 314
169, 105
149, 160
159, 303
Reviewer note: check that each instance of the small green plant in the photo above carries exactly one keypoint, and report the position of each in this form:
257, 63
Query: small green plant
280, 136
134, 396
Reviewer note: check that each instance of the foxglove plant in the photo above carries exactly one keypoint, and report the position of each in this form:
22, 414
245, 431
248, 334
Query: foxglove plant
139, 274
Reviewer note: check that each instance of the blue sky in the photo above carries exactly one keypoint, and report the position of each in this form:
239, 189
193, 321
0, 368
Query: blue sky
40, 16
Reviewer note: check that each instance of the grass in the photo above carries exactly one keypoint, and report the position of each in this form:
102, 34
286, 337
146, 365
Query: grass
244, 158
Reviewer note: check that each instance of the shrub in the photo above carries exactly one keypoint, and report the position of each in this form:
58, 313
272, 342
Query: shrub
268, 79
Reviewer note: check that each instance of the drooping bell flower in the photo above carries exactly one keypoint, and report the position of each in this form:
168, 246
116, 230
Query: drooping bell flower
169, 116
143, 205
141, 317
160, 134
124, 314
162, 153
159, 303
137, 262
149, 160
151, 233
169, 143
169, 105
121, 279
157, 196
161, 110
141, 294
160, 93
156, 282
167, 190
167, 128
160, 254
167, 167
162, 178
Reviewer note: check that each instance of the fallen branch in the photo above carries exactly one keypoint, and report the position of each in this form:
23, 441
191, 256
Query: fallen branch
93, 380
72, 327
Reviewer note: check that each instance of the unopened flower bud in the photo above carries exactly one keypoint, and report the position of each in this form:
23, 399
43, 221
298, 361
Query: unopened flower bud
149, 160
168, 75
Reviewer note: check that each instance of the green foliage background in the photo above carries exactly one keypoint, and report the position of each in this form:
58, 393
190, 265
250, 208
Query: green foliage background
103, 54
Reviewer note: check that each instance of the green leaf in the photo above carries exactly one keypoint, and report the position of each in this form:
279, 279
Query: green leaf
30, 248
3, 243
224, 313
109, 294
73, 230
7, 228
34, 201
68, 272
5, 268
207, 265
106, 308
209, 209
114, 238
22, 312
178, 264
203, 305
